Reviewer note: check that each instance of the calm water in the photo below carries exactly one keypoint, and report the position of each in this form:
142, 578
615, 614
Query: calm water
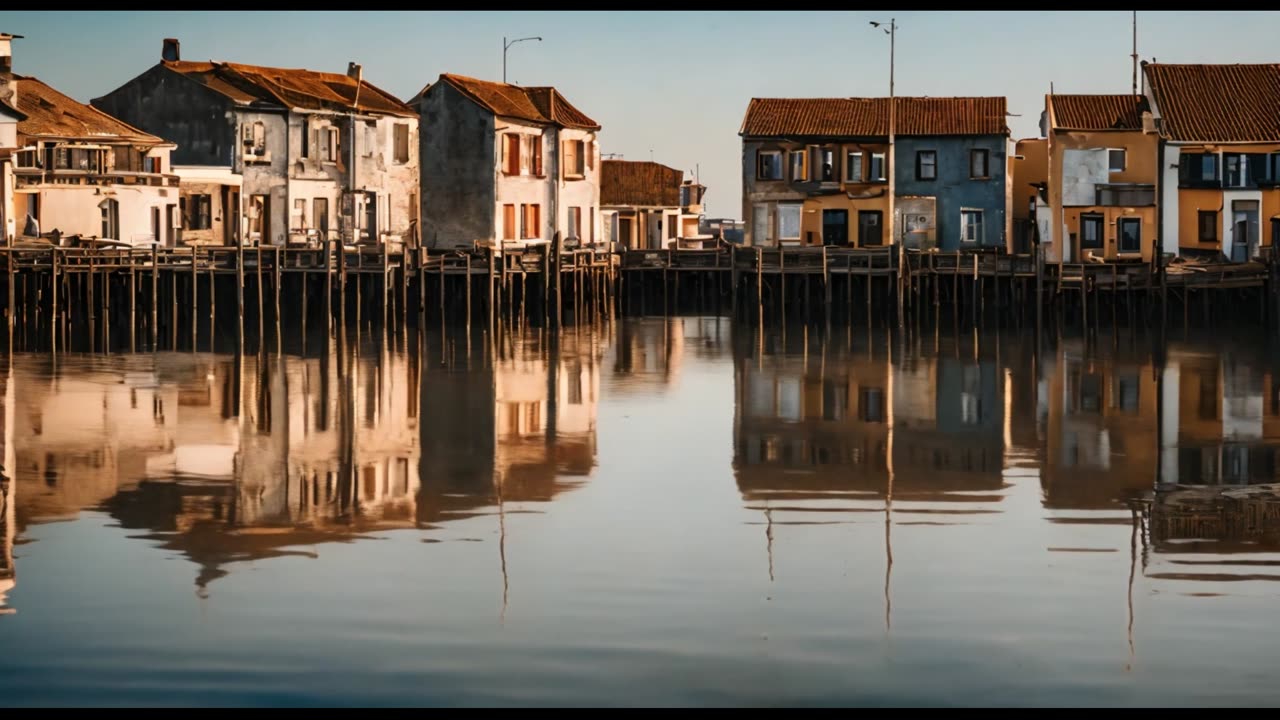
673, 512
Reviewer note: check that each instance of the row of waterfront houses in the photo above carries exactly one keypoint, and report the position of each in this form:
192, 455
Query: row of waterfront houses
1189, 166
195, 152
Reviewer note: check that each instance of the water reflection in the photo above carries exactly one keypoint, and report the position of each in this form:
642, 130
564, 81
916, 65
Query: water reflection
227, 459
973, 490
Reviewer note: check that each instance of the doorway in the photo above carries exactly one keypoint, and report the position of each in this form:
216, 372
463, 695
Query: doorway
870, 228
835, 227
1244, 230
371, 217
625, 225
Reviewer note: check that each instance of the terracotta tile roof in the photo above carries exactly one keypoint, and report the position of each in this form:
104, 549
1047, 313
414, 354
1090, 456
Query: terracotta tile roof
1217, 103
869, 117
1097, 112
639, 183
49, 113
292, 88
543, 105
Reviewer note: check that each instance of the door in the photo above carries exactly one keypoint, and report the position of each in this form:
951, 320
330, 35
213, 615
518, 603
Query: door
371, 217
1244, 235
260, 219
624, 232
156, 237
870, 228
835, 227
169, 226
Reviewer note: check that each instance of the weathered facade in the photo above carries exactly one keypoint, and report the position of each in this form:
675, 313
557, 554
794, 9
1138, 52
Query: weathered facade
1102, 178
640, 204
1028, 193
319, 156
1218, 156
503, 163
816, 172
78, 171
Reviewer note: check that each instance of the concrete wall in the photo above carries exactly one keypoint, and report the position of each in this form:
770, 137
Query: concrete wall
458, 166
953, 188
169, 105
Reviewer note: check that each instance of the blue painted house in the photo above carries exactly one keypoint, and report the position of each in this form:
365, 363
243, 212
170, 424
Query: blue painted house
951, 182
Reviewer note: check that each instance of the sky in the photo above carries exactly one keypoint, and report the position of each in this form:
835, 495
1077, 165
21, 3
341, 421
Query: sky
667, 86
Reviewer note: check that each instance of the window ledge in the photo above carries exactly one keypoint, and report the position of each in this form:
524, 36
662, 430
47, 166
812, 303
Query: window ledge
985, 177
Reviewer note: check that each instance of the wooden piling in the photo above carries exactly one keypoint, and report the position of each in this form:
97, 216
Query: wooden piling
133, 296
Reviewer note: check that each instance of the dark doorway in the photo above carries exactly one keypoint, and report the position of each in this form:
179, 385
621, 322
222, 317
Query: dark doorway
835, 227
870, 228
371, 218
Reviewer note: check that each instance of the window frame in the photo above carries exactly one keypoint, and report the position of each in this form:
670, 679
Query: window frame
861, 175
1124, 160
1101, 224
1201, 216
921, 165
778, 215
400, 136
985, 154
964, 226
803, 174
512, 150
780, 170
1121, 222
577, 170
883, 159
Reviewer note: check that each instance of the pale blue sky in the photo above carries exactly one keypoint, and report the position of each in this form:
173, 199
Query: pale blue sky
674, 83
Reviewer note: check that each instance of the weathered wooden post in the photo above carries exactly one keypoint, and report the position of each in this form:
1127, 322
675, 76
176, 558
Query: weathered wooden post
239, 296
195, 298
133, 299
261, 304
53, 286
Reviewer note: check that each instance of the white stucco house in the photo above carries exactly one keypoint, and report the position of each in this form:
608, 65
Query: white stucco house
77, 170
506, 164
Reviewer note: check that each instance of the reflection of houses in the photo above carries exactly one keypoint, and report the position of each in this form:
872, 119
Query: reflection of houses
317, 155
1102, 177
79, 171
804, 431
948, 424
8, 486
650, 351
1215, 520
1220, 156
1221, 421
1100, 447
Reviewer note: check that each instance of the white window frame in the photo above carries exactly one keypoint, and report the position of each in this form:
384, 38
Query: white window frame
799, 211
1124, 157
803, 156
782, 171
883, 158
964, 226
862, 166
986, 154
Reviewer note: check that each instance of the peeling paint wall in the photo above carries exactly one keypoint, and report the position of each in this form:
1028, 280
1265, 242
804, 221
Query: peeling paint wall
953, 187
457, 167
1078, 164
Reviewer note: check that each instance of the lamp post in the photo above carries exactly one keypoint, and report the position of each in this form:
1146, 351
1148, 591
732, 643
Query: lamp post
507, 45
891, 32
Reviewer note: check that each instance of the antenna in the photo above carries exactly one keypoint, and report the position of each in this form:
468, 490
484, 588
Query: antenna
1135, 52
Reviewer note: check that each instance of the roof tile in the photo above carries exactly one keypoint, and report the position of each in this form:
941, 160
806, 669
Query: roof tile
49, 113
1097, 112
869, 117
639, 183
544, 105
1217, 103
293, 88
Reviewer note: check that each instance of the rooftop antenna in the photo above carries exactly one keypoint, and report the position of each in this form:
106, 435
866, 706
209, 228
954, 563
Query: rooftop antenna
1135, 52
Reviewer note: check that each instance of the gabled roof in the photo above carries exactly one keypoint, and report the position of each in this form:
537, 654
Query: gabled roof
1096, 112
540, 105
639, 183
51, 114
290, 88
869, 117
1217, 103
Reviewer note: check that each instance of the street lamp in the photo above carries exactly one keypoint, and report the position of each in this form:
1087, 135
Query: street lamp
893, 164
505, 46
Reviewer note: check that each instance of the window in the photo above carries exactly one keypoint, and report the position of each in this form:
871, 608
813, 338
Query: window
590, 151
769, 165
574, 160
511, 154
61, 158
799, 166
535, 143
826, 164
1273, 176
853, 167
258, 217
871, 404
332, 145
1116, 160
927, 165
530, 222
402, 142
256, 138
508, 222
1198, 169
788, 222
671, 226
1130, 231
1208, 226
320, 216
1125, 392
979, 164
195, 212
1125, 195
971, 226
1091, 231
759, 224
591, 222
152, 165
370, 138
300, 212
877, 167
575, 223
110, 219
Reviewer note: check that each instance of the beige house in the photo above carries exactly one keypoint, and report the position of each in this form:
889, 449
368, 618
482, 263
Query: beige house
79, 171
647, 205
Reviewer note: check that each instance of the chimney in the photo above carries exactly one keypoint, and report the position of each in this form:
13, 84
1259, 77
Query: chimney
8, 85
353, 71
171, 52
